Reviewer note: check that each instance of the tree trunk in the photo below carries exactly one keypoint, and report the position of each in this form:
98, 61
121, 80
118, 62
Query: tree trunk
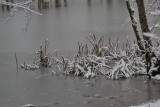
143, 22
8, 7
12, 1
135, 26
3, 7
57, 3
43, 4
39, 4
65, 3
145, 29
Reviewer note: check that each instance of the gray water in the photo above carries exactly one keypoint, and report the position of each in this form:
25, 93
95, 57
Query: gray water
64, 27
43, 89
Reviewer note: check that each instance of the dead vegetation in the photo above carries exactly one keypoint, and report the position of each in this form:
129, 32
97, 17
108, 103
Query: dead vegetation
99, 59
42, 58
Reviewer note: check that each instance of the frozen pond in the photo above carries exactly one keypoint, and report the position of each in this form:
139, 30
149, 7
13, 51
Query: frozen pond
64, 27
43, 89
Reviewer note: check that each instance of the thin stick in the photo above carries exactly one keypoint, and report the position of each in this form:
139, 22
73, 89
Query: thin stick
16, 60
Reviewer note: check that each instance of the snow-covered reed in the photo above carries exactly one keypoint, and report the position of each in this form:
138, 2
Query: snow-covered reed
100, 59
41, 59
29, 66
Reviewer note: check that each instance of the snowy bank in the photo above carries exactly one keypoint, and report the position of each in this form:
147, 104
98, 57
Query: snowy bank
150, 104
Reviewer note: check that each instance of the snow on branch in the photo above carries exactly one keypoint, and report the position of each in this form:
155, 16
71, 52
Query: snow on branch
131, 0
23, 5
151, 35
156, 12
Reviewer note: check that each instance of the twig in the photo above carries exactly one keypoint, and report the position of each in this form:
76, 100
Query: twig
16, 60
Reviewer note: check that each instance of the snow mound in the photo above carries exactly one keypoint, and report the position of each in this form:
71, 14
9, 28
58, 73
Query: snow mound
150, 104
28, 105
157, 77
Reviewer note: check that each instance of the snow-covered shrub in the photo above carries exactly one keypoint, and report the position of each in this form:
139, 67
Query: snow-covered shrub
155, 60
29, 66
100, 59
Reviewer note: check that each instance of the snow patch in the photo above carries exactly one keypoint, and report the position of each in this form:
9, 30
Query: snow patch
28, 105
157, 77
89, 74
29, 66
150, 104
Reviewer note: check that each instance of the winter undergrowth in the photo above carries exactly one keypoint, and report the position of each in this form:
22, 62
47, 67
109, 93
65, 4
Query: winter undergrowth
99, 59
